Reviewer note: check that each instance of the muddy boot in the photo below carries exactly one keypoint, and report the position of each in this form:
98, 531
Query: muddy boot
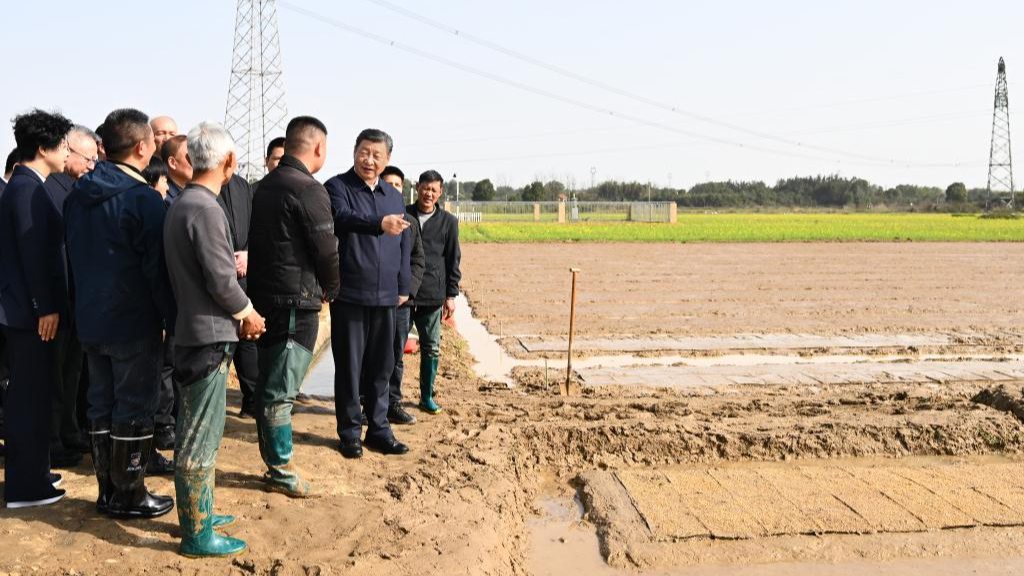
130, 449
276, 449
428, 373
195, 514
99, 433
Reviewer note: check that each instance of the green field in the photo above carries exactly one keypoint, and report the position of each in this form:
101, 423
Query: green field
764, 228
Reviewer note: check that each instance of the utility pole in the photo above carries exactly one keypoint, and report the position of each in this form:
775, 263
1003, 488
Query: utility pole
256, 110
1000, 162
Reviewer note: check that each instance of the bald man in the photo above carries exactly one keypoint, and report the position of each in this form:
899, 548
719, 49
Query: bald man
164, 128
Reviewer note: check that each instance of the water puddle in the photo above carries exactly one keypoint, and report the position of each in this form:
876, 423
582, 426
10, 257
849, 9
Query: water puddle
320, 380
561, 544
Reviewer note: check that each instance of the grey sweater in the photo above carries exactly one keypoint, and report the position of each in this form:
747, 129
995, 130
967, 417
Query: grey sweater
201, 263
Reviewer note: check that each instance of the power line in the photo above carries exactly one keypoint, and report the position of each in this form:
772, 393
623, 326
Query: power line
876, 161
469, 37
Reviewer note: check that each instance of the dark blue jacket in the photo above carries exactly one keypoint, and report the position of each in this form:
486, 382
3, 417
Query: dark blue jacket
31, 253
114, 224
374, 265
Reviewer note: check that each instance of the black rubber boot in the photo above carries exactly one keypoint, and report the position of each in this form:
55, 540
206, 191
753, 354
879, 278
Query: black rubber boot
131, 449
99, 434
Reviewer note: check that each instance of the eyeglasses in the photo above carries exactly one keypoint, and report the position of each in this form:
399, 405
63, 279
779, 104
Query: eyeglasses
89, 161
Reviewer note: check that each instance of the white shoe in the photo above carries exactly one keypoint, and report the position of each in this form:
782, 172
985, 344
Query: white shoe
56, 480
31, 503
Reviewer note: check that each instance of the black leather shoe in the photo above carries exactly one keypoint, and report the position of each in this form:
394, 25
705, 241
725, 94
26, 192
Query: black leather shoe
396, 415
389, 446
351, 448
160, 465
163, 438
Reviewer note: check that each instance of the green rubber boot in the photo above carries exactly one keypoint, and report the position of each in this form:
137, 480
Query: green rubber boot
428, 373
276, 448
221, 520
195, 504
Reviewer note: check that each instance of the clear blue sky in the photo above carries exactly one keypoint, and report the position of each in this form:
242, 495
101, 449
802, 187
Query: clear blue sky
908, 81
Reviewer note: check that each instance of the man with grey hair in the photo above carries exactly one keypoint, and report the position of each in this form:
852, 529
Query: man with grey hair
213, 312
66, 442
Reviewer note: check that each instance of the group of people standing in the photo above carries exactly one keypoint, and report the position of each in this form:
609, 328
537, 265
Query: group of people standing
156, 262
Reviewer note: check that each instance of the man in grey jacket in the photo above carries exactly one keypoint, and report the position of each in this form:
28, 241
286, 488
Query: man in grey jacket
201, 262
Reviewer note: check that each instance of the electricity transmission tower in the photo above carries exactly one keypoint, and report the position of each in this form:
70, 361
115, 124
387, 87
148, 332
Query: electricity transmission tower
256, 110
1000, 163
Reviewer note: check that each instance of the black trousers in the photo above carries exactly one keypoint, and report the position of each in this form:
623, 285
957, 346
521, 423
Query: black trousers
363, 345
167, 403
247, 367
28, 404
64, 426
403, 324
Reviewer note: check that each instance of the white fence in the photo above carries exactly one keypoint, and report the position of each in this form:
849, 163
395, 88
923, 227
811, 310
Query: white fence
562, 212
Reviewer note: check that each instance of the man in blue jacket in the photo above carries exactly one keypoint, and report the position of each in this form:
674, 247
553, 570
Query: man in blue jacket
33, 300
123, 306
373, 249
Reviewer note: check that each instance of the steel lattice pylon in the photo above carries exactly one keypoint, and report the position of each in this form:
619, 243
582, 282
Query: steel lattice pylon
1000, 163
256, 110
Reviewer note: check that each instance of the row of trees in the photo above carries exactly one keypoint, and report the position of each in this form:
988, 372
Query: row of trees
800, 192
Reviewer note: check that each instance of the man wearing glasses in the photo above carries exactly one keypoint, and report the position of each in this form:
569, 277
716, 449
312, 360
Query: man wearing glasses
66, 442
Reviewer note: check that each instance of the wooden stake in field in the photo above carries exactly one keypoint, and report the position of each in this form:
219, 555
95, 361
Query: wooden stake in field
572, 331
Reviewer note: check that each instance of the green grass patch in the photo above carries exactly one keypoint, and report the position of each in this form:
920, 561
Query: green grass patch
763, 228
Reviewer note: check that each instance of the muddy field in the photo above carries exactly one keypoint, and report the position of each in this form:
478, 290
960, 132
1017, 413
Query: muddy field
669, 477
697, 289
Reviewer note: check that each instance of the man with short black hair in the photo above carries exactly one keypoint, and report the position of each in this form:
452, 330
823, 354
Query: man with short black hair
369, 221
435, 300
66, 442
32, 304
396, 414
275, 151
174, 153
293, 271
235, 199
123, 305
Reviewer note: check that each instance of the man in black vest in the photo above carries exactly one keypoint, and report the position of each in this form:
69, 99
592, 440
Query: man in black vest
32, 304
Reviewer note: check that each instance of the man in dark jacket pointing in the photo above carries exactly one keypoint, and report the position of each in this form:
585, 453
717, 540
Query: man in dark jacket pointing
374, 247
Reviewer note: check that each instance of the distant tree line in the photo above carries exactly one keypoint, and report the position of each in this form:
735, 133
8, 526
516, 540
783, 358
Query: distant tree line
809, 192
